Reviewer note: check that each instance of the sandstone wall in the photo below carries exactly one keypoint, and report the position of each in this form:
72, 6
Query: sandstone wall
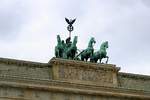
24, 94
69, 80
24, 69
134, 81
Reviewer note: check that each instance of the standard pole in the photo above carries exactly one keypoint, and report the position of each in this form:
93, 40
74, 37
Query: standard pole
70, 34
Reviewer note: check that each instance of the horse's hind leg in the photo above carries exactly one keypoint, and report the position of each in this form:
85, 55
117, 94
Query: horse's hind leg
91, 59
86, 59
57, 54
82, 58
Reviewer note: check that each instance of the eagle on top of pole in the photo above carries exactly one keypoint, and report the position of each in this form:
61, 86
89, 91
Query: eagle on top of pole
70, 27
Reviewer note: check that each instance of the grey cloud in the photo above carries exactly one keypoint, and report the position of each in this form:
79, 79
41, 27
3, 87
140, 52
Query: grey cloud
13, 16
146, 2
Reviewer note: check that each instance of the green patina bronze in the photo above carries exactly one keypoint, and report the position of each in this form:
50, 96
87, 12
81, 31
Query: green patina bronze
87, 53
59, 49
99, 55
68, 49
71, 51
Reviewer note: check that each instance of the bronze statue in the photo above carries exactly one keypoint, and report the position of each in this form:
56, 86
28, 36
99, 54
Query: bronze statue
68, 42
87, 53
70, 27
72, 50
59, 49
68, 49
99, 55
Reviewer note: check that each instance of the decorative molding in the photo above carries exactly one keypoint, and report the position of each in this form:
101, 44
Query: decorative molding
134, 76
69, 87
13, 98
84, 72
88, 65
22, 63
75, 73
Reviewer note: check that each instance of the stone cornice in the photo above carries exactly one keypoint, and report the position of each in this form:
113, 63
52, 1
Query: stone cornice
62, 86
135, 76
76, 63
22, 63
13, 98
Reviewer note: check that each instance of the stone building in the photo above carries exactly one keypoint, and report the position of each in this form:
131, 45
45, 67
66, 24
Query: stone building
61, 79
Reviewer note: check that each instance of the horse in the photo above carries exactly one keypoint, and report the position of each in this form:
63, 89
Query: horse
72, 50
59, 49
88, 52
99, 55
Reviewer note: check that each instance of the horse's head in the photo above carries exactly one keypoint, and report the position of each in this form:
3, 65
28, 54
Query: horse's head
58, 39
75, 40
93, 40
106, 44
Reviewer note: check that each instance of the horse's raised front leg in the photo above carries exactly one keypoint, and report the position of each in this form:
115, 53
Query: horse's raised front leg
107, 59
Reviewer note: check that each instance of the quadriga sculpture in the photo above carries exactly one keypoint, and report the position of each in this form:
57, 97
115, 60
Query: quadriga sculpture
59, 49
72, 50
99, 55
88, 52
69, 49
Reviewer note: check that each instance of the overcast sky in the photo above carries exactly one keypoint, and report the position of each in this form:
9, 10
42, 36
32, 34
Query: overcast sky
28, 29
